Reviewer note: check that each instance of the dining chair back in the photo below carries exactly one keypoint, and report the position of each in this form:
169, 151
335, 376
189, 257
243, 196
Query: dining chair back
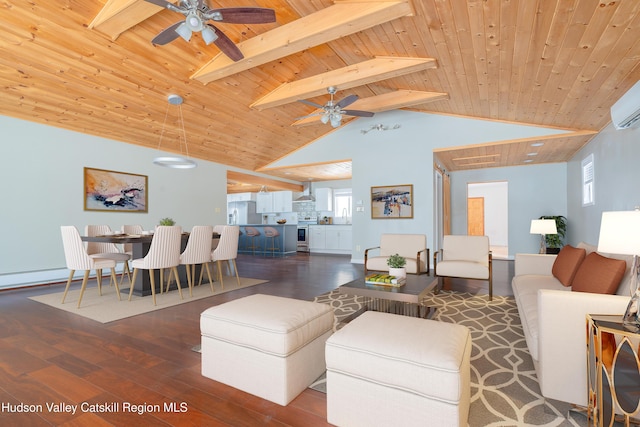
77, 258
164, 252
227, 250
198, 251
106, 249
131, 229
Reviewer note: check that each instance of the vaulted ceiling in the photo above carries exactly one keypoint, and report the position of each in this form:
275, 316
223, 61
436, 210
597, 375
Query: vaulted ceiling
89, 66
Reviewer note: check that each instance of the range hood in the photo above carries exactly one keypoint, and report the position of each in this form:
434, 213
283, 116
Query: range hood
307, 195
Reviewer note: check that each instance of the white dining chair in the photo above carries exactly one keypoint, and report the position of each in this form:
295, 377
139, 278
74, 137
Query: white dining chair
106, 249
227, 250
133, 229
197, 251
77, 258
164, 252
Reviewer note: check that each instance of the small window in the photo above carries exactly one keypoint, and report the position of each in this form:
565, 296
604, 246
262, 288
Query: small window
342, 204
588, 182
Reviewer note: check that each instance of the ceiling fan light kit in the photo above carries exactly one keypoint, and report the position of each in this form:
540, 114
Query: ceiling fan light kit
332, 112
175, 162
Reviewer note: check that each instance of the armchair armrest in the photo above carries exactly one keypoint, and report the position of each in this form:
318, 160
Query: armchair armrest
366, 255
562, 368
534, 264
426, 250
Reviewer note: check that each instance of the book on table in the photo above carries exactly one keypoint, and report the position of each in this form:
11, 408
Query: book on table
384, 279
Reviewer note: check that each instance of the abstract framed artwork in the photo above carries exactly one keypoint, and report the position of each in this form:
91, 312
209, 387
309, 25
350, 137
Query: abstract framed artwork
112, 191
393, 201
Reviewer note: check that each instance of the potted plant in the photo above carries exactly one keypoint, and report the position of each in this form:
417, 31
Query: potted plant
555, 242
167, 221
396, 265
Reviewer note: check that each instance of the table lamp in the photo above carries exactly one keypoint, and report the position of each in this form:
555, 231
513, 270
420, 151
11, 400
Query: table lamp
620, 234
543, 227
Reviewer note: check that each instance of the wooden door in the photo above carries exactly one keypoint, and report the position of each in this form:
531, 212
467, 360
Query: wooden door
475, 216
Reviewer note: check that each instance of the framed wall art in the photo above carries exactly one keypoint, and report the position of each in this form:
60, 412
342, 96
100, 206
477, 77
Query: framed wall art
106, 190
393, 201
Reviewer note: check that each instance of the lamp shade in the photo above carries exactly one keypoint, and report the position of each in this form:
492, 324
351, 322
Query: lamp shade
543, 226
620, 233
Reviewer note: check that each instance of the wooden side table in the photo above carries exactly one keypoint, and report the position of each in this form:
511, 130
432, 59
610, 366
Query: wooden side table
613, 370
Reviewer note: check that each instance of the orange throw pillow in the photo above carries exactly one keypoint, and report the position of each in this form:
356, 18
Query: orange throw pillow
566, 264
599, 274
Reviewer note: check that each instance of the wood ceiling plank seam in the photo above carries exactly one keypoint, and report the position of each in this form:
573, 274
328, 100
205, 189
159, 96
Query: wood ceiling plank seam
582, 54
492, 30
558, 56
508, 20
464, 43
541, 26
521, 46
325, 25
476, 31
606, 55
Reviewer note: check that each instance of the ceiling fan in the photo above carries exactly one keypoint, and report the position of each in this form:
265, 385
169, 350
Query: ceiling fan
197, 13
332, 112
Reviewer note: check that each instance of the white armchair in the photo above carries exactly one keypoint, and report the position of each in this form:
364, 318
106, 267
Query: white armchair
413, 247
467, 257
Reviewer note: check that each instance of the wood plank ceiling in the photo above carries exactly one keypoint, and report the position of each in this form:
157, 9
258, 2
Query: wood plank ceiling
89, 66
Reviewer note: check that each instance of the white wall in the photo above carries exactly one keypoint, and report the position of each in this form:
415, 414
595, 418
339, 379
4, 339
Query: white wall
42, 187
616, 177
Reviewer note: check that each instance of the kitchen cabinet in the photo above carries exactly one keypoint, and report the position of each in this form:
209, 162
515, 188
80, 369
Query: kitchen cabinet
264, 203
241, 197
282, 201
333, 239
324, 199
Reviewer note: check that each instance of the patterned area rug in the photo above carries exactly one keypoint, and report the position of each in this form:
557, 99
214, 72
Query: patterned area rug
504, 387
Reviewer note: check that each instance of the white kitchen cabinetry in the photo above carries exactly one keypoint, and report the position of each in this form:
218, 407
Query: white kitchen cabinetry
264, 203
331, 239
241, 197
324, 199
282, 201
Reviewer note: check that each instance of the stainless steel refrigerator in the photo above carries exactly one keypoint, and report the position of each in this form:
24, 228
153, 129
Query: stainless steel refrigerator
240, 213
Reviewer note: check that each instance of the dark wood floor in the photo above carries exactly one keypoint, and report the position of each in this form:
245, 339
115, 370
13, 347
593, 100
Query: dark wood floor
51, 356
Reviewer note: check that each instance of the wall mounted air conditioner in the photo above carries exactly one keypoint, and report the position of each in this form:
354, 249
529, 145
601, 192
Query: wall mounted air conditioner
626, 111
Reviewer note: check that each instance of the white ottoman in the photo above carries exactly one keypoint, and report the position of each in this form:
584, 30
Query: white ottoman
271, 347
385, 369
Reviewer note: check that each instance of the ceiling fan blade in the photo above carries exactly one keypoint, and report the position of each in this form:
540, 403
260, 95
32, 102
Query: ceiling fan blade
244, 15
317, 113
226, 45
358, 113
347, 101
167, 35
313, 104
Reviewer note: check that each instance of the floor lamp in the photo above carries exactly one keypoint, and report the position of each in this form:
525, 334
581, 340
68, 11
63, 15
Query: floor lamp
543, 227
620, 234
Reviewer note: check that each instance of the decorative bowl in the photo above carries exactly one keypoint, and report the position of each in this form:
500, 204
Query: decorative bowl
281, 221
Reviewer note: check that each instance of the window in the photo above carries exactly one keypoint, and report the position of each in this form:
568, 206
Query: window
342, 204
588, 198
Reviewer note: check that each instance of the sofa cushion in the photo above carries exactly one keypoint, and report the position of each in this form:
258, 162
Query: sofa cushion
567, 263
599, 274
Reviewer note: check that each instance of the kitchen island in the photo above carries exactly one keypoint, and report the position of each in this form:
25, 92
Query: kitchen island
286, 243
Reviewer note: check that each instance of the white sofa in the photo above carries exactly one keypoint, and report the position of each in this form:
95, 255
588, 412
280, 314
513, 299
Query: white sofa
553, 320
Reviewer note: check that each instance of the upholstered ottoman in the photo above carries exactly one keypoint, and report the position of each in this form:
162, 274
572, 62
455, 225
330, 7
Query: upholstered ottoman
269, 346
385, 369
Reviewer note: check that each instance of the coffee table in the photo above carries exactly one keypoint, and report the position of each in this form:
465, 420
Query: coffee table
405, 300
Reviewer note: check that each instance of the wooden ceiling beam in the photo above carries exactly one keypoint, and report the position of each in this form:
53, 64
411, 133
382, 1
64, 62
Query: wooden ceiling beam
373, 70
386, 102
343, 18
117, 16
260, 180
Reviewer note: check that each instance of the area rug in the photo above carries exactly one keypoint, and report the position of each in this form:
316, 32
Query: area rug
107, 308
504, 387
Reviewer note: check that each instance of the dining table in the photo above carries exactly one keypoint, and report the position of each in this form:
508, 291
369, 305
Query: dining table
140, 244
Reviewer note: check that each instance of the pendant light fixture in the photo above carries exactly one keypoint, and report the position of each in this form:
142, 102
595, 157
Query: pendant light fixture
175, 162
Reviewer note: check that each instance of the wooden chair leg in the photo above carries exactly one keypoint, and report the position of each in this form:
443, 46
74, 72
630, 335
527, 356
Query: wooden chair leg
175, 273
235, 268
66, 289
206, 265
189, 279
99, 276
133, 280
115, 281
84, 285
220, 274
126, 270
152, 278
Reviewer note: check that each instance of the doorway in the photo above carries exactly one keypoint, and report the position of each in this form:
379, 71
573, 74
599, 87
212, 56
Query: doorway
488, 214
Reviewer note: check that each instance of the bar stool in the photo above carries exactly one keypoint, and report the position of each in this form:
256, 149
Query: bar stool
271, 233
252, 233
